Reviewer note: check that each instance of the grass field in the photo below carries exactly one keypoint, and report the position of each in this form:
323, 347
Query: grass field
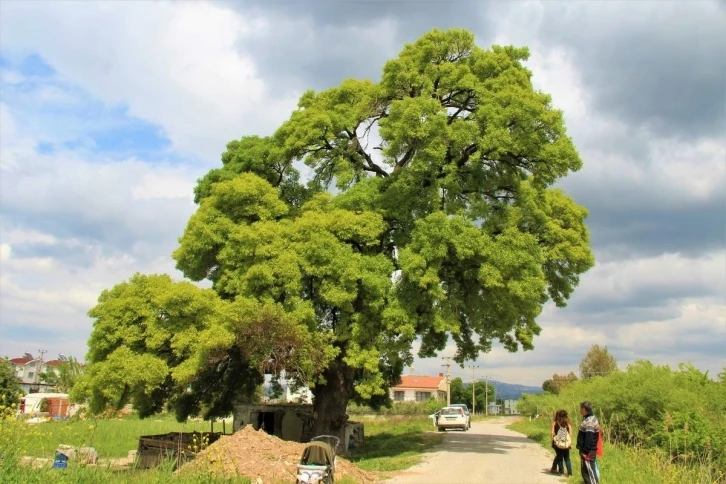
395, 443
112, 438
625, 464
391, 444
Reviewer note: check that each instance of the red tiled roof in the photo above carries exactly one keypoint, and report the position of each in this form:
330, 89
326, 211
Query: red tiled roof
413, 381
53, 363
20, 361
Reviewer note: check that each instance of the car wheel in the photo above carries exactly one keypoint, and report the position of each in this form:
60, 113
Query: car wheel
441, 429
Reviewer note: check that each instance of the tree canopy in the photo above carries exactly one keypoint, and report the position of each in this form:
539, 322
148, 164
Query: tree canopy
430, 214
558, 382
597, 362
10, 390
64, 379
461, 393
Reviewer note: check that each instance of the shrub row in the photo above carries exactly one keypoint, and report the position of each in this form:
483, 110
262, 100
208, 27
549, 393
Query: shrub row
682, 412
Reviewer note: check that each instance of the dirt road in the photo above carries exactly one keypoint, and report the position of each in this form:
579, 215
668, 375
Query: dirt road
488, 453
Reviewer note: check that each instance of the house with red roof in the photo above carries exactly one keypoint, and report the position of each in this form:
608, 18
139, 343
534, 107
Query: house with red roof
420, 388
28, 369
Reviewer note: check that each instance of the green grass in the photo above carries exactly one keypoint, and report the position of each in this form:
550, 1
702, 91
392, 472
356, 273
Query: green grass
112, 438
391, 444
395, 443
625, 464
100, 475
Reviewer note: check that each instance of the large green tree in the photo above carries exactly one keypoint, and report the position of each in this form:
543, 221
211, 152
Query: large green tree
598, 362
157, 344
443, 223
461, 393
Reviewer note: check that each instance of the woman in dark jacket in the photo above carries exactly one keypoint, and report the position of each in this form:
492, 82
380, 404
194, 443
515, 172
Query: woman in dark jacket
587, 444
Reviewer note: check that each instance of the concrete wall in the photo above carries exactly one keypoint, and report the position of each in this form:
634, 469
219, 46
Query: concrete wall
289, 422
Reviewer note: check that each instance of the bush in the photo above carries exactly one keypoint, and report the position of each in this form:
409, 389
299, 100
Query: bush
682, 413
399, 408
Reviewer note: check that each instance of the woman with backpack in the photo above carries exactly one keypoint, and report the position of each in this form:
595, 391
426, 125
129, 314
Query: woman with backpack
561, 434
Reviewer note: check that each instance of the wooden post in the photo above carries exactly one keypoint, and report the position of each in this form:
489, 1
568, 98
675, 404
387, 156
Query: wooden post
224, 427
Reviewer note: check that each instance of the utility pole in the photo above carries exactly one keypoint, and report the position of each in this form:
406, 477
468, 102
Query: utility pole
473, 388
39, 368
448, 378
486, 393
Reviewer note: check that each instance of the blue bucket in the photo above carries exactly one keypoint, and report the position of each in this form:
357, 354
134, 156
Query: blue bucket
60, 461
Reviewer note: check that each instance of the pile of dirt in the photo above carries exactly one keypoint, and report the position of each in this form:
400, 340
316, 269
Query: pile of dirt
263, 458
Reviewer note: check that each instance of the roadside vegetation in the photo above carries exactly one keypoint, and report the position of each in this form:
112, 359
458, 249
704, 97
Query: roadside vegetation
659, 424
395, 443
392, 443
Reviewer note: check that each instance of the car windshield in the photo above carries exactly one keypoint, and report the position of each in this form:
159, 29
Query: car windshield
451, 411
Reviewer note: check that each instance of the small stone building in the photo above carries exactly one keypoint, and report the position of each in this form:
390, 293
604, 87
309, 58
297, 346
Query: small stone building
289, 421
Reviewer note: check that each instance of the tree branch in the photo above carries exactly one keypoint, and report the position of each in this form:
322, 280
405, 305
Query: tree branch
369, 164
464, 105
404, 160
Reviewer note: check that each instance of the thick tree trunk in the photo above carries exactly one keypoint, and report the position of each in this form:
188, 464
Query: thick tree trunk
330, 401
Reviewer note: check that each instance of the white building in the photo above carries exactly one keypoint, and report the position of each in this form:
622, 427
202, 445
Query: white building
28, 368
289, 394
415, 388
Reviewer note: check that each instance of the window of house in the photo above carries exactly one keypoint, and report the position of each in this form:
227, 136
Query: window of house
398, 396
31, 374
423, 396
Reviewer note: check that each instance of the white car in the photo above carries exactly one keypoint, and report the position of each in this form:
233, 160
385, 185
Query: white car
466, 412
452, 418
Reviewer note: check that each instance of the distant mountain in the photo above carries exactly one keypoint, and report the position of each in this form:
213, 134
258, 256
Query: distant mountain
509, 391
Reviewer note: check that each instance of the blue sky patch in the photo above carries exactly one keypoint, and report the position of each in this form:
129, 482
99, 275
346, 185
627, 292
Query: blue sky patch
63, 116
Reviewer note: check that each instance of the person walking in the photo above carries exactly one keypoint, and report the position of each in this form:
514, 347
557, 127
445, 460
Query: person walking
587, 442
561, 436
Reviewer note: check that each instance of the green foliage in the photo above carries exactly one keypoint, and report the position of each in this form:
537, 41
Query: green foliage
10, 390
458, 205
463, 394
597, 362
627, 464
681, 412
112, 437
66, 376
157, 343
558, 382
398, 408
75, 474
395, 443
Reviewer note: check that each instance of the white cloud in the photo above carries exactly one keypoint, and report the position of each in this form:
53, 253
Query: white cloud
174, 64
158, 185
5, 250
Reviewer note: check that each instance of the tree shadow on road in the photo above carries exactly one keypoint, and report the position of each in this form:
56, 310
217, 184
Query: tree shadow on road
457, 441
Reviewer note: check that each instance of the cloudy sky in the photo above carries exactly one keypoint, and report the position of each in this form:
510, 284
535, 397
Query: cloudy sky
109, 112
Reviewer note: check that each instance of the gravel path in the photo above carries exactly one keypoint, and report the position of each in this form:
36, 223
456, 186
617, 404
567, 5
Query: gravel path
487, 453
